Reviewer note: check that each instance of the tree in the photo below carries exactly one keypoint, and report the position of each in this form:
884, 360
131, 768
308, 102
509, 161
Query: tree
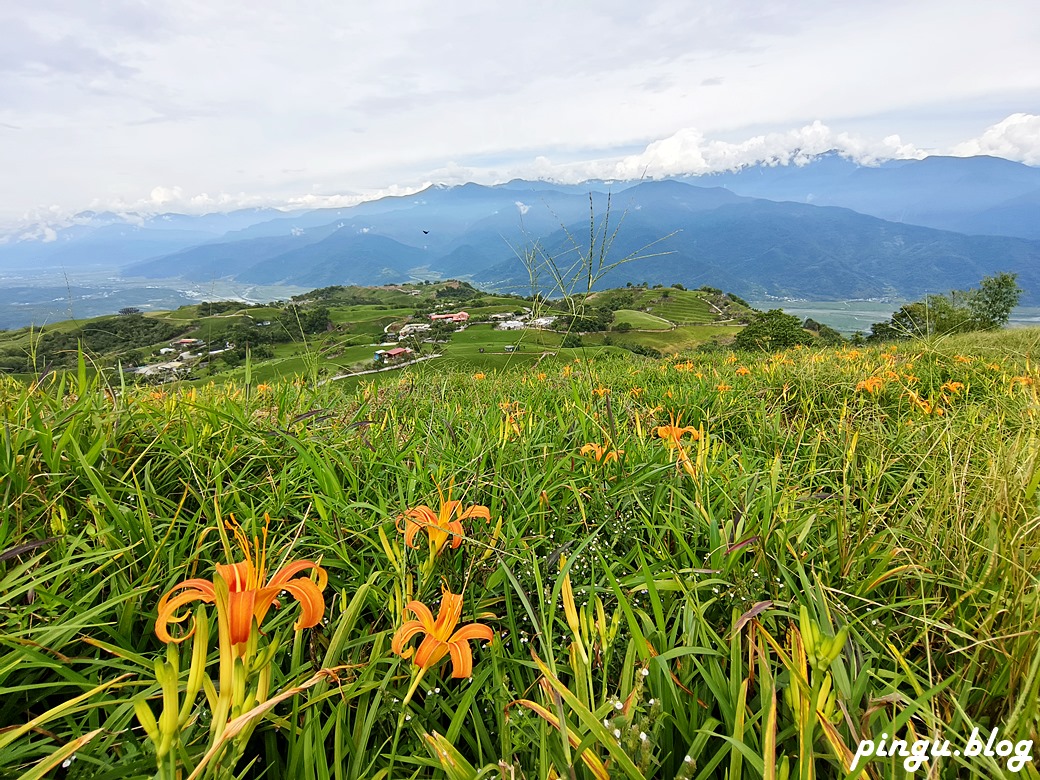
961, 311
772, 330
936, 315
126, 311
990, 306
297, 321
824, 333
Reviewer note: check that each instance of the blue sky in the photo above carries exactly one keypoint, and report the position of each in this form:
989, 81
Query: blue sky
205, 105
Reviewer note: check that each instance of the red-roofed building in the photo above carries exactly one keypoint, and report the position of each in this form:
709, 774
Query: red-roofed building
393, 355
459, 317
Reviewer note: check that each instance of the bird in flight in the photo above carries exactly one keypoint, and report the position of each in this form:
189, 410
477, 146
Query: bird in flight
426, 232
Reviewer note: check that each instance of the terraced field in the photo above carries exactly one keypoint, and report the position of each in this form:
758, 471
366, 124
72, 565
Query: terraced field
683, 307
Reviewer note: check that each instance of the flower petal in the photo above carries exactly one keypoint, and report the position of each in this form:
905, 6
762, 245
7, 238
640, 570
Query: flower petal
312, 603
289, 571
404, 635
447, 510
191, 590
265, 598
411, 528
461, 659
437, 538
240, 615
457, 533
430, 652
477, 510
422, 612
239, 576
422, 514
473, 631
448, 615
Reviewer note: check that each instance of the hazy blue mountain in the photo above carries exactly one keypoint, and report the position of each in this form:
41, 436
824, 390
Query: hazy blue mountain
973, 195
108, 240
759, 248
220, 260
345, 257
827, 229
755, 247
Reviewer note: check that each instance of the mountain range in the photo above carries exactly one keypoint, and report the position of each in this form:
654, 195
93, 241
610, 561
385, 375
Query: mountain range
830, 229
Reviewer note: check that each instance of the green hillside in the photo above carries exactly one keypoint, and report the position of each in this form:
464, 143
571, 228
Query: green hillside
336, 330
640, 320
683, 307
708, 565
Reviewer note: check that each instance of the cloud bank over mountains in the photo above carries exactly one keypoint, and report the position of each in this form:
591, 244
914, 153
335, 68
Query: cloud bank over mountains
1016, 138
686, 152
198, 105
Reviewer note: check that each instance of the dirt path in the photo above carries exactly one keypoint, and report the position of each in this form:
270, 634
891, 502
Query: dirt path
394, 367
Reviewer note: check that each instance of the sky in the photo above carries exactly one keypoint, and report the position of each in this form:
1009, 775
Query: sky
210, 105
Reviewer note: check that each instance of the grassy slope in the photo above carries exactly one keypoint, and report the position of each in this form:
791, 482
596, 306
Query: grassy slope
683, 307
641, 320
361, 325
912, 530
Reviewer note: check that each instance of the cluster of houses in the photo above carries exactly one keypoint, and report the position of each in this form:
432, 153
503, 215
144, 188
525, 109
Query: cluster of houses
512, 321
187, 350
455, 318
459, 317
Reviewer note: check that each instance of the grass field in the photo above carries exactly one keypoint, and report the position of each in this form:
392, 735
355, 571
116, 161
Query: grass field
679, 339
640, 320
725, 565
683, 307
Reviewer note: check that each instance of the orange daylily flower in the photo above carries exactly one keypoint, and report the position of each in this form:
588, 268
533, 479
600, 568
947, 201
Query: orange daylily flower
600, 453
872, 385
441, 524
743, 371
924, 405
248, 597
441, 636
673, 433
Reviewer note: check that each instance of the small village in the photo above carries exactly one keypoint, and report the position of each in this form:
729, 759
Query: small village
183, 356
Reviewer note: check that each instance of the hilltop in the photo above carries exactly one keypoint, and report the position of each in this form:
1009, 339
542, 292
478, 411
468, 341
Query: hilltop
347, 329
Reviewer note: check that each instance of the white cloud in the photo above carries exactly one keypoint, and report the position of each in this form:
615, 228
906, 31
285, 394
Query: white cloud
161, 196
305, 106
1016, 138
689, 152
522, 207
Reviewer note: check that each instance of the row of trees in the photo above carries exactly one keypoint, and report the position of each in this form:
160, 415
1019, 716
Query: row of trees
121, 336
960, 311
